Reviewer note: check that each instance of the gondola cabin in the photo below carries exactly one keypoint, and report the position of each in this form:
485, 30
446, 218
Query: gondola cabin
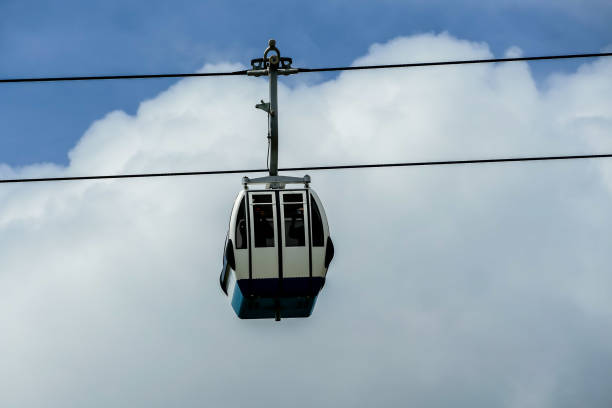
277, 252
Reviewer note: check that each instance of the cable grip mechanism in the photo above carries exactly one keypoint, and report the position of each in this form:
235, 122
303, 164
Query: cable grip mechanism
262, 66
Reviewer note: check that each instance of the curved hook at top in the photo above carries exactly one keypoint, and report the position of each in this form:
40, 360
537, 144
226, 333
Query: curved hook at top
272, 47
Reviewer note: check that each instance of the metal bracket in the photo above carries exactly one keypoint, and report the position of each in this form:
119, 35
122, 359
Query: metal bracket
264, 106
280, 71
261, 66
263, 63
276, 182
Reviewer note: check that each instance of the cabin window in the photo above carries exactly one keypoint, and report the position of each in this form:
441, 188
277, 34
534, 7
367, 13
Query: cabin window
262, 198
294, 225
241, 228
317, 224
293, 198
263, 223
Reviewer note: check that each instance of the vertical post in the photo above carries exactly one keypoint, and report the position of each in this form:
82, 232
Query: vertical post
273, 62
272, 66
273, 115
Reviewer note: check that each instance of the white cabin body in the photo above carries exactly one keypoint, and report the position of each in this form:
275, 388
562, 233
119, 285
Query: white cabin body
277, 253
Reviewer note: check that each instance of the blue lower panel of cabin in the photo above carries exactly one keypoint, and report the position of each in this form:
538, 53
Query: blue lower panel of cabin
264, 298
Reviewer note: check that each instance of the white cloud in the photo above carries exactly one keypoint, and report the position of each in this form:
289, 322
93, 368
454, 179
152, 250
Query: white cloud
475, 285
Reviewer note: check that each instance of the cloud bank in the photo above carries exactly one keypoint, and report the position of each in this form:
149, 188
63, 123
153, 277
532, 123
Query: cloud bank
466, 286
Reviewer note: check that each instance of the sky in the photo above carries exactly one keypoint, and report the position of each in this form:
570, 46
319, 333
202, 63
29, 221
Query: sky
470, 286
70, 37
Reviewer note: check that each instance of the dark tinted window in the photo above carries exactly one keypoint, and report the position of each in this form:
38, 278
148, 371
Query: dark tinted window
317, 224
241, 228
262, 198
263, 223
294, 225
292, 198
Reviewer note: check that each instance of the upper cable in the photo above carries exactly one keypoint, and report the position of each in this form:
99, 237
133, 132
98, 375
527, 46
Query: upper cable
305, 70
106, 77
456, 62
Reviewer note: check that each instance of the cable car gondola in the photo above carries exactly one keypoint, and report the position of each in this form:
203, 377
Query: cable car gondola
277, 251
278, 248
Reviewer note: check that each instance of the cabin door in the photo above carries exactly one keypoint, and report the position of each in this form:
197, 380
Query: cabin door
264, 234
295, 237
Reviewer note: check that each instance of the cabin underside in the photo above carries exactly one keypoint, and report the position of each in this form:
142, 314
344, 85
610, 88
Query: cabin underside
275, 298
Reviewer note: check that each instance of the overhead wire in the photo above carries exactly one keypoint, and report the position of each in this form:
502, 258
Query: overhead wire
304, 70
457, 62
316, 168
110, 77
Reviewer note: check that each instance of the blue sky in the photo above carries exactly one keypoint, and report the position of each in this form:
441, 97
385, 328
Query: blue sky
41, 122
